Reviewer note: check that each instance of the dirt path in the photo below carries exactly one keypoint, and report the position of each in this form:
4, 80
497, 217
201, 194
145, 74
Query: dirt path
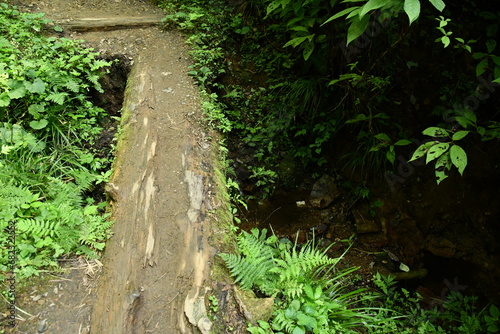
155, 265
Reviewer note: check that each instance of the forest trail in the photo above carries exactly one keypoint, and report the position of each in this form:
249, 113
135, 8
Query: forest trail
155, 265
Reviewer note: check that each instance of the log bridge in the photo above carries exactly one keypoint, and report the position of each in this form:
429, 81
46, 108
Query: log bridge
111, 23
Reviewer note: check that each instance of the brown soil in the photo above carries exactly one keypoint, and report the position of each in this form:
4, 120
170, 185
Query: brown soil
155, 266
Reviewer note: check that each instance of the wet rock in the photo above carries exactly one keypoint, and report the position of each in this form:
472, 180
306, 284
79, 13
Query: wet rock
441, 247
365, 223
254, 308
324, 192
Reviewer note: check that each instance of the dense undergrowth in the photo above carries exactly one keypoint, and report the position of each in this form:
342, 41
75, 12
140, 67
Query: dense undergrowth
313, 295
278, 79
49, 165
293, 96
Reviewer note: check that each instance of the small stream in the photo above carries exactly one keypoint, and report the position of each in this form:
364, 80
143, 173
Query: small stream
447, 249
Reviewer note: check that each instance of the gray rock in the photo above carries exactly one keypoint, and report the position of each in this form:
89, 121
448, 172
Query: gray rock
324, 192
254, 308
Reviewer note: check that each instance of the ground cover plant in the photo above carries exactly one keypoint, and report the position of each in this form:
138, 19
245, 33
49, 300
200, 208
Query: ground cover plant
48, 128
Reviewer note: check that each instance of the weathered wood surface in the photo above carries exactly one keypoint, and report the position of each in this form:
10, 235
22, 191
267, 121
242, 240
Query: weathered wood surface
111, 23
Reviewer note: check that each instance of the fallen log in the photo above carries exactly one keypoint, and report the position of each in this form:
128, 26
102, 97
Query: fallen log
111, 23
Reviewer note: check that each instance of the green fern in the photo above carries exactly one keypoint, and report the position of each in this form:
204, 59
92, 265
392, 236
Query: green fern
39, 228
247, 271
253, 266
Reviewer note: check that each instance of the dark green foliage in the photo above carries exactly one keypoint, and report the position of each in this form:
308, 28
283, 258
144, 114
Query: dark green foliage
287, 83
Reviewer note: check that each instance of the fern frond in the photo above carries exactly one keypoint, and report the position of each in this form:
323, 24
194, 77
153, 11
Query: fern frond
247, 271
298, 266
86, 251
65, 192
254, 245
39, 228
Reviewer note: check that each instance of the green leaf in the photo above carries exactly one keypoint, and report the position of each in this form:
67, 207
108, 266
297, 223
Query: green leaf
402, 142
38, 86
299, 28
412, 9
496, 73
481, 67
458, 158
443, 163
494, 312
90, 210
446, 41
340, 14
463, 121
459, 135
318, 292
37, 125
17, 93
435, 132
295, 305
272, 7
4, 99
439, 4
357, 28
470, 115
73, 86
422, 150
359, 118
296, 41
481, 130
36, 109
436, 151
391, 155
298, 330
382, 136
354, 13
305, 320
309, 291
308, 50
371, 5
478, 55
492, 328
490, 45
